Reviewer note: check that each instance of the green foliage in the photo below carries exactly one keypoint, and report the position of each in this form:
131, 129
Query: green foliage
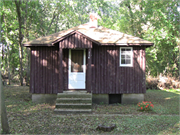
156, 21
163, 57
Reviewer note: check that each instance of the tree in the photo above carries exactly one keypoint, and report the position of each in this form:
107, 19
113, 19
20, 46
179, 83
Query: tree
156, 21
18, 10
4, 120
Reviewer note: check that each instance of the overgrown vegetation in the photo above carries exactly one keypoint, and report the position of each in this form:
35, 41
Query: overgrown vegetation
26, 117
162, 83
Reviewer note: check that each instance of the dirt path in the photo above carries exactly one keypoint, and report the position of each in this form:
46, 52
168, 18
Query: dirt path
110, 115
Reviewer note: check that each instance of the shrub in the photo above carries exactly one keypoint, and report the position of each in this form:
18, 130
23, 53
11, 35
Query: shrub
162, 83
168, 83
152, 83
145, 106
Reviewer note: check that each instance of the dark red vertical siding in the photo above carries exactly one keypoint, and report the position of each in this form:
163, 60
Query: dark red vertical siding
36, 70
32, 71
88, 73
75, 41
44, 65
65, 67
144, 69
56, 71
40, 70
49, 73
44, 70
109, 77
61, 79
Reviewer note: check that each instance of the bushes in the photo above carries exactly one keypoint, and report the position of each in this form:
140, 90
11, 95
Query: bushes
162, 83
152, 83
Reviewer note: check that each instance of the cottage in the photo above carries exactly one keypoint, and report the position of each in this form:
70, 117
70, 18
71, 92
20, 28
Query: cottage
107, 63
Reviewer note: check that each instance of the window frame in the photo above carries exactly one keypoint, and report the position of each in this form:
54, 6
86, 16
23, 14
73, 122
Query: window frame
131, 57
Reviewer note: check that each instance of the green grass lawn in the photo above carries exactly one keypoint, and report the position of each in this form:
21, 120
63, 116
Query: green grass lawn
26, 117
164, 101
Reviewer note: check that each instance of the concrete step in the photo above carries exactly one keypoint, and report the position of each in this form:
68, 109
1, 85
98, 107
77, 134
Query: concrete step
74, 105
71, 111
70, 102
74, 100
74, 95
72, 91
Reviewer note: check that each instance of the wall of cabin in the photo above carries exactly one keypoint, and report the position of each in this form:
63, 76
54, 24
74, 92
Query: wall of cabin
44, 76
107, 76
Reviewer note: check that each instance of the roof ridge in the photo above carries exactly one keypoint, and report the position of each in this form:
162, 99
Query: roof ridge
99, 35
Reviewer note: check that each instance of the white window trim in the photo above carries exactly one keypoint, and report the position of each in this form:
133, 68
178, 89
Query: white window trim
126, 65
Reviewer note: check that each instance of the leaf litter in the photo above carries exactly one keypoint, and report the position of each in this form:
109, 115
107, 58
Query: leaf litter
26, 117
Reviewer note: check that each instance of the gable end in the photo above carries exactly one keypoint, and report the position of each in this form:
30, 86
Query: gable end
75, 41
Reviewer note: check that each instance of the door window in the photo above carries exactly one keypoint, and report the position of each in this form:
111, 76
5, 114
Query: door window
77, 60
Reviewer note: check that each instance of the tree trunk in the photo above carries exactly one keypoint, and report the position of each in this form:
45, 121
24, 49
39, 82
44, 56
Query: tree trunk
17, 3
54, 16
21, 68
179, 62
131, 14
4, 120
8, 61
27, 49
28, 67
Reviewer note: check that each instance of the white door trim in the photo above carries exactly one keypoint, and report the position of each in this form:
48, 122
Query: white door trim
73, 77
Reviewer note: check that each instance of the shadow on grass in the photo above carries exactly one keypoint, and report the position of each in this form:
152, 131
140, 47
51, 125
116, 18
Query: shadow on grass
26, 117
165, 101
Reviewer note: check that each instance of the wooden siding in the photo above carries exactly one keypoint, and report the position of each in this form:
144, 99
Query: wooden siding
44, 70
61, 80
65, 67
89, 73
76, 41
109, 77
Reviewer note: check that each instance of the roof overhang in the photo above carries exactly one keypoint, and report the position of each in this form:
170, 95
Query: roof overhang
128, 44
100, 36
60, 39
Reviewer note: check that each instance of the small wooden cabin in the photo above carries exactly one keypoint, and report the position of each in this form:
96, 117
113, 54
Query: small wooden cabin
89, 57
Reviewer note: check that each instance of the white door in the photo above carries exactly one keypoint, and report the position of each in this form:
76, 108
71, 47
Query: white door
77, 69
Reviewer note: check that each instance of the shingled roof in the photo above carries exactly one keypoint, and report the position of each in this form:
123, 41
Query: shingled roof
100, 35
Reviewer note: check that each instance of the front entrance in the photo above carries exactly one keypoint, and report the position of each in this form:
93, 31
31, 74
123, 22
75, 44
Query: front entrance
77, 69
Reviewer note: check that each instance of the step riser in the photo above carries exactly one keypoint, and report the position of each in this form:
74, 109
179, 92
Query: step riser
73, 101
74, 106
76, 92
74, 96
70, 112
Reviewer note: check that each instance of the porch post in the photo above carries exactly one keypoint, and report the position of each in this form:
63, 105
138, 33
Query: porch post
89, 73
60, 69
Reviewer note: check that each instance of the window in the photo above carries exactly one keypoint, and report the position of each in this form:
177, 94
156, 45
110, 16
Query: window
126, 57
77, 60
